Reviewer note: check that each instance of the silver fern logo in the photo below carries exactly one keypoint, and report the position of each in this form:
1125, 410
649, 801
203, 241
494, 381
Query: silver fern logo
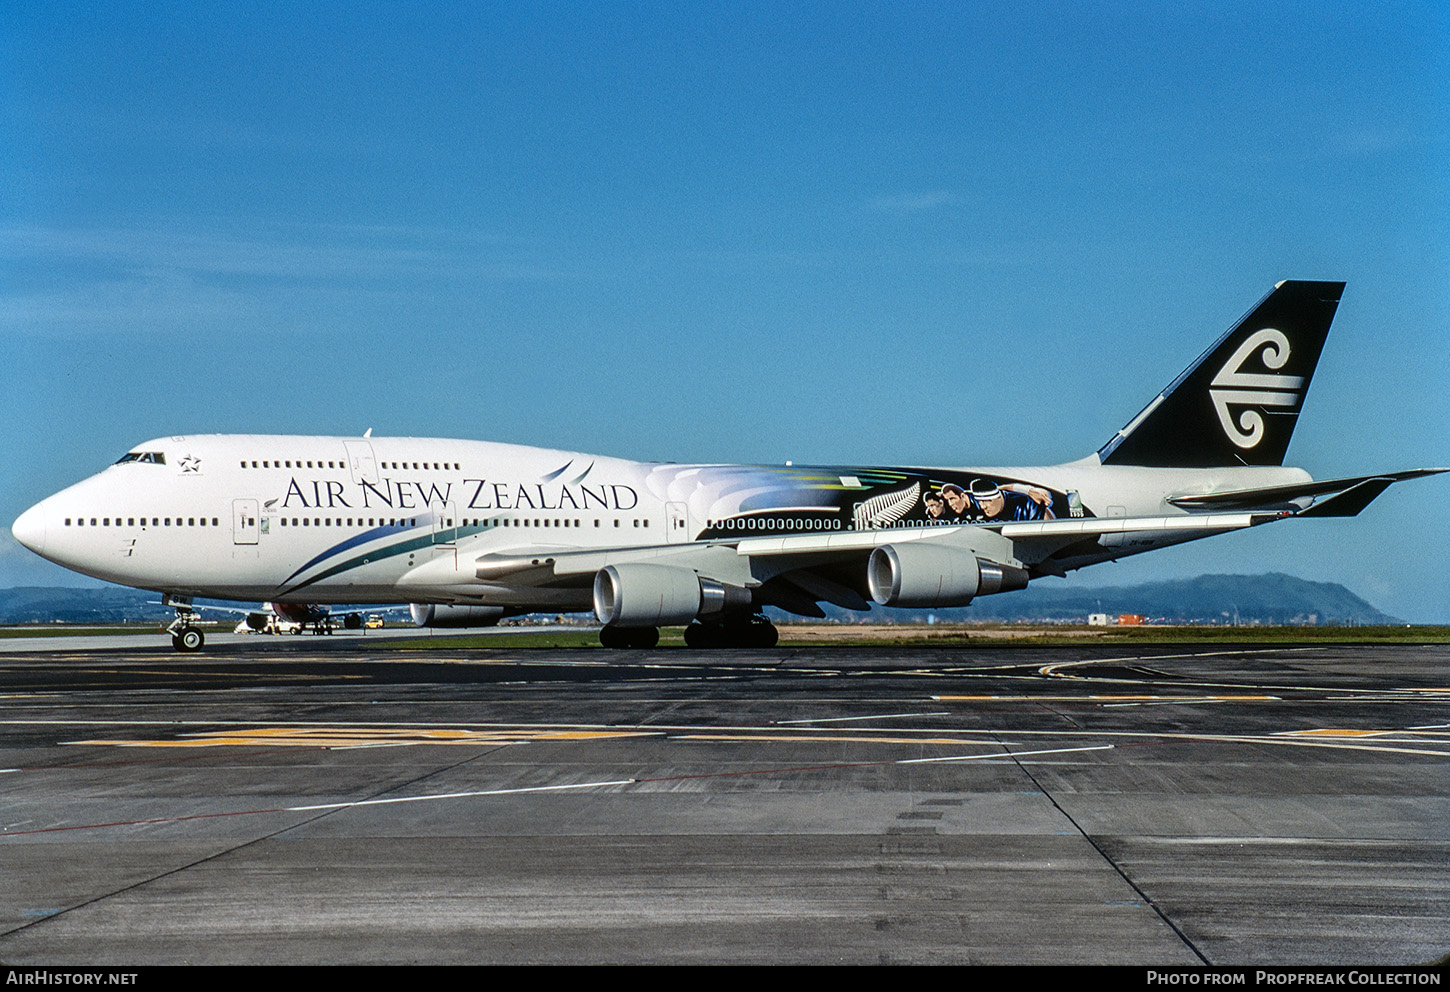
1233, 387
884, 510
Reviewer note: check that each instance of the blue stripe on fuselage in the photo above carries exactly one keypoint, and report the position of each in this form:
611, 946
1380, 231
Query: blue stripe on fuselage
352, 542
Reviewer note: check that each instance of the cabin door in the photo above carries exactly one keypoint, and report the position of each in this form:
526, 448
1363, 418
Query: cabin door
244, 521
445, 522
361, 461
677, 523
445, 529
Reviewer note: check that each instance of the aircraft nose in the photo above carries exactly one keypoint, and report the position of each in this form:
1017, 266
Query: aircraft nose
29, 528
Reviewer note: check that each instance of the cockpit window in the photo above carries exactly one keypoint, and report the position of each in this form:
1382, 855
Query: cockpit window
152, 457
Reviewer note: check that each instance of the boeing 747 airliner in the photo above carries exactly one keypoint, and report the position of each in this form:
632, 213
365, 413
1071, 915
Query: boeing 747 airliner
469, 532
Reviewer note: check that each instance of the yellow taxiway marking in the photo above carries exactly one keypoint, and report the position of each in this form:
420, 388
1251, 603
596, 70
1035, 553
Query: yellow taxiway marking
345, 736
342, 737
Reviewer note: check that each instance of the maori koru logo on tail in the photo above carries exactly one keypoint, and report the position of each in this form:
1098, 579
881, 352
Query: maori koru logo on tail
1246, 389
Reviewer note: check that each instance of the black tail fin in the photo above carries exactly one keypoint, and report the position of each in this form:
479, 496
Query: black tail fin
1238, 403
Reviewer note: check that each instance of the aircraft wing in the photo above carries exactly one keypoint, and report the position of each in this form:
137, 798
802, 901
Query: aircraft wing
1208, 512
832, 567
798, 571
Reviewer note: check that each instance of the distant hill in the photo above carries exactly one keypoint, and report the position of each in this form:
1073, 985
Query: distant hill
108, 604
1264, 599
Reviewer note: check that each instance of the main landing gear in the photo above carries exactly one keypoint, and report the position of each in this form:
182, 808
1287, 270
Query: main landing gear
629, 637
184, 634
731, 632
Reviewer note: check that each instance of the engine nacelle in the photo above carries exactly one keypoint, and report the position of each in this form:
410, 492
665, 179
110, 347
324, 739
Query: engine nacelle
430, 615
922, 574
638, 594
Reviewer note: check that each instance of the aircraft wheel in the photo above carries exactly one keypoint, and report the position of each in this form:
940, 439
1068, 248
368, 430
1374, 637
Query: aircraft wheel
740, 632
702, 636
189, 640
644, 637
762, 633
629, 637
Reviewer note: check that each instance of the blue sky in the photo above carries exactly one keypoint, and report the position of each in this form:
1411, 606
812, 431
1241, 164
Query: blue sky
863, 233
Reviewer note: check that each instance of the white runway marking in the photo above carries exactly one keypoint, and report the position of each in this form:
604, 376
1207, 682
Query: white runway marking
846, 719
1006, 754
458, 795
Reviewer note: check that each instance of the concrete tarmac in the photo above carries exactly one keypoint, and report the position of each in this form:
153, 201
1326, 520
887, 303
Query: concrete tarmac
359, 803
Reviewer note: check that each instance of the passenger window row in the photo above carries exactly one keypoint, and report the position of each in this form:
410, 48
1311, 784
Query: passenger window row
450, 522
334, 463
347, 522
131, 522
341, 522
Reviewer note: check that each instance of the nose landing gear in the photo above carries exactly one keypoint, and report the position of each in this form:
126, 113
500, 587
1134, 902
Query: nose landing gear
184, 634
189, 639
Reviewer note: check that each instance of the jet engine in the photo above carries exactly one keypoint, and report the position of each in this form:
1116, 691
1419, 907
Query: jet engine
922, 574
430, 615
638, 594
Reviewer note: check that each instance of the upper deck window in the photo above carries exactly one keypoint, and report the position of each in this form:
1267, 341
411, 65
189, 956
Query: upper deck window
150, 457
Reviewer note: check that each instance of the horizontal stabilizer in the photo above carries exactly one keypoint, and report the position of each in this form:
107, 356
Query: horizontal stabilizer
1290, 498
1349, 502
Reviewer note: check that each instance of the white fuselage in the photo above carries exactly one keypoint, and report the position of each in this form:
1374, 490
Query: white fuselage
354, 520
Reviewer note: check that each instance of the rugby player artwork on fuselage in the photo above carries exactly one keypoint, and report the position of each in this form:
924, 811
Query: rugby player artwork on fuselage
735, 499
